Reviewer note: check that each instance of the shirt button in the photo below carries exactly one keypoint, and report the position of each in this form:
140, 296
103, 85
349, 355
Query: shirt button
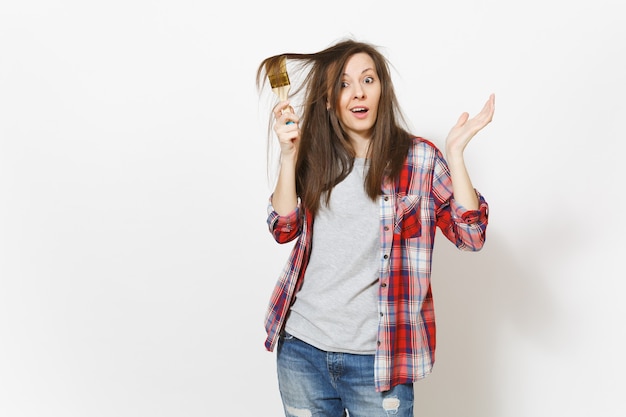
386, 256
384, 284
378, 342
386, 198
386, 228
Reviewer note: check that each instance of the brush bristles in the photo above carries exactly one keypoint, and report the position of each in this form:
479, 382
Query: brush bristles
279, 80
276, 69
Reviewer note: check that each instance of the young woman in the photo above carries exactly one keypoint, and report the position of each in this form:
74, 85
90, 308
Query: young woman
352, 315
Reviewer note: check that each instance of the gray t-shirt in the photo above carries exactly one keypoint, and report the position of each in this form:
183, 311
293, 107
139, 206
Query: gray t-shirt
336, 308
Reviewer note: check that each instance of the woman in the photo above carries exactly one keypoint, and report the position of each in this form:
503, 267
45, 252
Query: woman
352, 313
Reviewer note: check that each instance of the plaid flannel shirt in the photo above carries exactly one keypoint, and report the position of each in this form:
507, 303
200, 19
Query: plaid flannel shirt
411, 208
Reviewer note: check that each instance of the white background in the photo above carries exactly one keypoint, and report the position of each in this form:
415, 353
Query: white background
135, 263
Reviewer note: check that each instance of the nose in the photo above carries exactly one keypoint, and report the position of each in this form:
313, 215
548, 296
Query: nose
358, 92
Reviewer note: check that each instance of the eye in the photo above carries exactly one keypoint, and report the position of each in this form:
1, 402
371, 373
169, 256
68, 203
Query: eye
344, 84
368, 80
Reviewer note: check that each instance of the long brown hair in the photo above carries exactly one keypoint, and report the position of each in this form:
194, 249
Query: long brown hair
325, 154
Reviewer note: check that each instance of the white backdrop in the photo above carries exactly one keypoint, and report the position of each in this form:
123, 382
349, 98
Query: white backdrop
135, 263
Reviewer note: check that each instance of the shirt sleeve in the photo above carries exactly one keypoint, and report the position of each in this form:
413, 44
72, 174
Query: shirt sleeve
465, 228
287, 227
466, 216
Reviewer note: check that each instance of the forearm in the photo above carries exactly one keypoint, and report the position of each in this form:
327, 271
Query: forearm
462, 187
285, 198
458, 138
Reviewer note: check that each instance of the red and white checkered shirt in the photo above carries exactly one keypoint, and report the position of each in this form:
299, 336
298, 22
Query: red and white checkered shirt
411, 208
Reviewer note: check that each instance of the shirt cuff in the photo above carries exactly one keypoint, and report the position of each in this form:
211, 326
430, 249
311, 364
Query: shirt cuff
284, 223
466, 216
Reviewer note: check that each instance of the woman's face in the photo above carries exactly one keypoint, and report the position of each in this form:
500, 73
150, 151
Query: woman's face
359, 96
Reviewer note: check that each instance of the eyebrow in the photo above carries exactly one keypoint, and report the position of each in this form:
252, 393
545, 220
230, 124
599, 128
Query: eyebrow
362, 72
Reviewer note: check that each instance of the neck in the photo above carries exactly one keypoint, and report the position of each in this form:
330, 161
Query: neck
361, 146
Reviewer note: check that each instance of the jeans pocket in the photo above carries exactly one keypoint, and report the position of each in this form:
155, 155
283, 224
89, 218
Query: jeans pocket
284, 335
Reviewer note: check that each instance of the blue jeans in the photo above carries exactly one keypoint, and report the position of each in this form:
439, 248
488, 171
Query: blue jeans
316, 383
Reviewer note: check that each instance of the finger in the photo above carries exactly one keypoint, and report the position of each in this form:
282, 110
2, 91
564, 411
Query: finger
289, 117
486, 113
486, 107
462, 119
279, 108
490, 105
286, 126
283, 123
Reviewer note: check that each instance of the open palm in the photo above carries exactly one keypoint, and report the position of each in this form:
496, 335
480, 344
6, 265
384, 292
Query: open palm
465, 128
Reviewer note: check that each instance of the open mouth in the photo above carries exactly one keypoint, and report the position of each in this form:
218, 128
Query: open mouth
360, 112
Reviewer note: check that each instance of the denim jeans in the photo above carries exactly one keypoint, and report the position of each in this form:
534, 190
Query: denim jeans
316, 383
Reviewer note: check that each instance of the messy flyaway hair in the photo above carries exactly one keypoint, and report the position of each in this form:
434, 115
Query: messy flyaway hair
325, 154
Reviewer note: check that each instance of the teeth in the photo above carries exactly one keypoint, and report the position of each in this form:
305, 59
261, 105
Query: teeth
358, 109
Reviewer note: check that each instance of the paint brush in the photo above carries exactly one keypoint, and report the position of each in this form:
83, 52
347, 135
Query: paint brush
279, 78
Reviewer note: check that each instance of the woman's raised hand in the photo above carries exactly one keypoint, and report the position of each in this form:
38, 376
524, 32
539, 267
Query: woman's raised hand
465, 128
288, 133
